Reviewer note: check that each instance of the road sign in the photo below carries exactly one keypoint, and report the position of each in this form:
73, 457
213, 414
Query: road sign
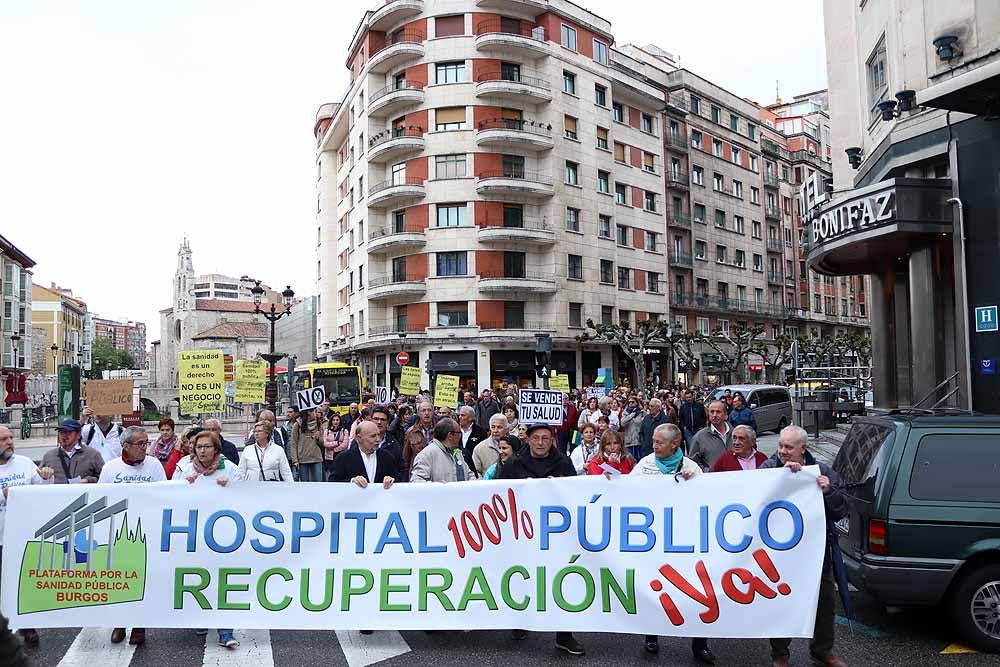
988, 367
307, 399
986, 319
381, 395
403, 358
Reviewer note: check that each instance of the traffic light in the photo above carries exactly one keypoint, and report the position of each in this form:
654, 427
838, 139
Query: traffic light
543, 355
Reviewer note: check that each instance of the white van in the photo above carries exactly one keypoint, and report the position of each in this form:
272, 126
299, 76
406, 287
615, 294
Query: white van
771, 403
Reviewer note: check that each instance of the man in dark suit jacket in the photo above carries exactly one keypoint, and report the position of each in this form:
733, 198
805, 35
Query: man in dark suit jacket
693, 417
472, 433
365, 463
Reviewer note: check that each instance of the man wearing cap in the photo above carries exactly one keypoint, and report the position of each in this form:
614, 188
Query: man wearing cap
72, 462
539, 460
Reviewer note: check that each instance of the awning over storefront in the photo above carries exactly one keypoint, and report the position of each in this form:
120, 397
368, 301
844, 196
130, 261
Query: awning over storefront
976, 91
862, 229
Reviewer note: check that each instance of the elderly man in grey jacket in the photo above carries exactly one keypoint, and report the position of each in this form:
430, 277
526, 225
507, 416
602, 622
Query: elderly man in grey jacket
714, 440
442, 460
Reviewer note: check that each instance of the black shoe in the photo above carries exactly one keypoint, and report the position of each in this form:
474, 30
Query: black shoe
518, 634
652, 645
30, 638
570, 645
705, 655
367, 632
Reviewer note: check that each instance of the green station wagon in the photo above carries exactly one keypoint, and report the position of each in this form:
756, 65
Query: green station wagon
924, 522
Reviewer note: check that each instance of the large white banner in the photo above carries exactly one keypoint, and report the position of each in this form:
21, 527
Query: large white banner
710, 557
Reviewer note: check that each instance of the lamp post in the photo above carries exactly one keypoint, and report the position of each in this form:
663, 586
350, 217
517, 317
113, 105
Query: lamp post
272, 316
55, 362
15, 339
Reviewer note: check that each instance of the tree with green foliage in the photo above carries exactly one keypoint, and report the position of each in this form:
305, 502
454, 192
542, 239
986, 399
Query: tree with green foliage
104, 357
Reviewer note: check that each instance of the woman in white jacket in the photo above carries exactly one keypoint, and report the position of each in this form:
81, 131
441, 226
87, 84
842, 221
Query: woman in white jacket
264, 461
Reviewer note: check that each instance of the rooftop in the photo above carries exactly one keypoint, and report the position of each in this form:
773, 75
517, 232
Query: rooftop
257, 330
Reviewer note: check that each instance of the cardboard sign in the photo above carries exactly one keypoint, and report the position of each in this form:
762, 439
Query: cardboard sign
251, 376
446, 391
559, 382
307, 399
200, 378
540, 406
110, 397
409, 381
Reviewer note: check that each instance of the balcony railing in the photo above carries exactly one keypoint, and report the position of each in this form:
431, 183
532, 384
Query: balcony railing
407, 36
395, 228
395, 133
812, 158
516, 174
534, 224
381, 281
772, 212
681, 259
395, 87
770, 179
385, 185
527, 80
776, 277
677, 179
775, 245
677, 140
518, 325
528, 126
501, 274
772, 148
506, 27
723, 303
680, 220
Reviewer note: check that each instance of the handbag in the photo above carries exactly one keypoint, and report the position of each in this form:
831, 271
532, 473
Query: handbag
260, 464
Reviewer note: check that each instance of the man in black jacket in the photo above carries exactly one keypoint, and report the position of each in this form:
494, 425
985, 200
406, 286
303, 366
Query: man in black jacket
656, 417
228, 449
792, 454
540, 460
386, 443
365, 463
472, 433
693, 418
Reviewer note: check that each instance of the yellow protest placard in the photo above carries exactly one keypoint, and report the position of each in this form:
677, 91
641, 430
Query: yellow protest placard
446, 391
110, 397
559, 381
409, 381
201, 380
251, 376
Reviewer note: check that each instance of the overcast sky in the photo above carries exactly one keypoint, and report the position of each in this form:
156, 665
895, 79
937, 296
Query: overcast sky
126, 125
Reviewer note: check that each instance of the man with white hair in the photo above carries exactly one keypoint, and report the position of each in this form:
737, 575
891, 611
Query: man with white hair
792, 454
487, 452
472, 433
743, 455
656, 417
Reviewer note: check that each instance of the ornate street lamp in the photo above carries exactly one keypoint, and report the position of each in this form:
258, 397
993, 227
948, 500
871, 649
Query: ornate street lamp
55, 352
272, 315
15, 339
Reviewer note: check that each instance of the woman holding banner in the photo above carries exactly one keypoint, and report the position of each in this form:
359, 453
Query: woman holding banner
612, 454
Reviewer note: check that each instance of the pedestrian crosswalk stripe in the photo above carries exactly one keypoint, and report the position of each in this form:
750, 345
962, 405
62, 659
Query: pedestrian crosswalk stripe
93, 648
254, 650
956, 648
363, 650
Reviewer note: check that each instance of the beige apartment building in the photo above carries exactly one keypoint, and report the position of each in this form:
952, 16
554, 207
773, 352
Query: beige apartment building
63, 318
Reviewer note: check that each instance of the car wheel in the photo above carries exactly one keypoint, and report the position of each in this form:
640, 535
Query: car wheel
976, 608
782, 424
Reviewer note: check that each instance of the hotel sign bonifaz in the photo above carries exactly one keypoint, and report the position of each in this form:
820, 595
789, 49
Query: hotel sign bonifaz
853, 216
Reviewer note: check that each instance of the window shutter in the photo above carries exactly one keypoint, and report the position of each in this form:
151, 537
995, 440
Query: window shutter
446, 26
450, 115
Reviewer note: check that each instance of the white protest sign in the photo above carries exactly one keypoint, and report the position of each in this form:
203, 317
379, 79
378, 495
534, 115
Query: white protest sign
307, 399
381, 395
540, 406
637, 554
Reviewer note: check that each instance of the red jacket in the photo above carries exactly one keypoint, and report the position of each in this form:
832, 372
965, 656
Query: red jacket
727, 462
624, 466
569, 421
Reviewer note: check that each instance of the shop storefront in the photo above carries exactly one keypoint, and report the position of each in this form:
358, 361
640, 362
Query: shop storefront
460, 363
394, 371
516, 367
564, 363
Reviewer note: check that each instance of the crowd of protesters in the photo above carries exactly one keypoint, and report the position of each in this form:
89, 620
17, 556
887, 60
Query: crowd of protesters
410, 440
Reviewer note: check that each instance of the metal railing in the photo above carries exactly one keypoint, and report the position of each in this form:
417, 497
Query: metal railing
501, 274
772, 148
771, 179
394, 133
381, 281
812, 158
407, 36
528, 126
677, 139
678, 178
396, 87
526, 325
772, 212
775, 245
393, 228
516, 174
723, 303
681, 259
525, 79
494, 221
385, 185
680, 220
504, 27
776, 277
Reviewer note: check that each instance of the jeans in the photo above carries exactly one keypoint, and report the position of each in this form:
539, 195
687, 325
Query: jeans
311, 472
821, 644
688, 436
563, 439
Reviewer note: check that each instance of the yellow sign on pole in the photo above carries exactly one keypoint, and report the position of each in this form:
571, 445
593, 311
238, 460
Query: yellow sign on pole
559, 381
409, 381
251, 376
200, 378
446, 391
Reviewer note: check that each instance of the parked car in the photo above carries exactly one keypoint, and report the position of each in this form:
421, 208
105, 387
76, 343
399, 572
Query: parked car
924, 522
771, 403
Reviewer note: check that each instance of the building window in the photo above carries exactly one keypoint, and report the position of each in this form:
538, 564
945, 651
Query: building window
651, 245
817, 303
647, 123
751, 131
697, 175
448, 26
449, 118
624, 278
619, 152
449, 166
569, 37
716, 115
574, 267
755, 229
453, 314
698, 213
450, 72
399, 269
716, 147
600, 95
513, 314
569, 82
754, 195
649, 162
569, 127
652, 282
740, 259
738, 225
451, 215
604, 226
878, 81
513, 216
607, 314
649, 201
737, 157
721, 254
602, 138
572, 175
734, 122
695, 105
843, 307
696, 139
603, 181
738, 189
513, 264
702, 325
718, 182
754, 166
601, 52
452, 264
576, 314
510, 71
617, 112
607, 271
700, 247
620, 193
573, 219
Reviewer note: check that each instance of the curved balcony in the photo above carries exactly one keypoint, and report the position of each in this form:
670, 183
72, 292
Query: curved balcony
514, 182
391, 193
392, 144
513, 133
513, 5
532, 282
394, 237
529, 231
513, 87
511, 36
396, 96
522, 327
400, 48
386, 287
392, 12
